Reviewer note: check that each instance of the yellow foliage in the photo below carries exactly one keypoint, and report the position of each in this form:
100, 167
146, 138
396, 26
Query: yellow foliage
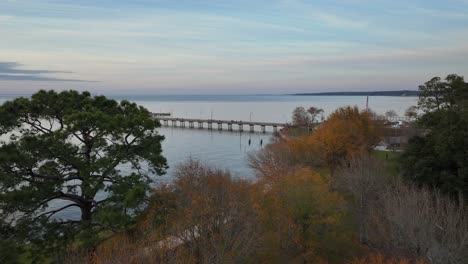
347, 133
302, 217
294, 218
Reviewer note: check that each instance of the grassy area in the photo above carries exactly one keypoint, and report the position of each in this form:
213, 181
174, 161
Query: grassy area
391, 158
297, 131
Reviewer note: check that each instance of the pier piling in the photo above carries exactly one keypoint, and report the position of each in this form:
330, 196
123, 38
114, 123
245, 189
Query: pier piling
181, 122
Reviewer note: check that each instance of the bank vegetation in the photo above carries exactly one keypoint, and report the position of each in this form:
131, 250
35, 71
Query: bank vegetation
319, 198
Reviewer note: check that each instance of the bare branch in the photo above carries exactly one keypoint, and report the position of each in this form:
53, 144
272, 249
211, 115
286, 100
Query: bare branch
51, 213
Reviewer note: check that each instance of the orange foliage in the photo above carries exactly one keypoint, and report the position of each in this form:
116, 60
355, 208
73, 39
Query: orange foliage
205, 216
214, 219
347, 133
302, 220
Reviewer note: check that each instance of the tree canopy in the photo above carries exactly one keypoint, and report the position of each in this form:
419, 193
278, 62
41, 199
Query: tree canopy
439, 157
303, 117
300, 117
72, 151
346, 133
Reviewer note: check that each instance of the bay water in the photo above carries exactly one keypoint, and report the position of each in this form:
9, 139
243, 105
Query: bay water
229, 150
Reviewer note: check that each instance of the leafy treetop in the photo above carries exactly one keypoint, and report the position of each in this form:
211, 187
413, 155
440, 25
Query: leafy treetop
70, 150
439, 157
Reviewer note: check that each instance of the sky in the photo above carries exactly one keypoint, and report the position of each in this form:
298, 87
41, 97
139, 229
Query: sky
229, 46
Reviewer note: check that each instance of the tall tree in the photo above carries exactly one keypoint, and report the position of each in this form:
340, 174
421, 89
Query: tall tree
300, 116
72, 151
314, 113
438, 158
432, 94
437, 94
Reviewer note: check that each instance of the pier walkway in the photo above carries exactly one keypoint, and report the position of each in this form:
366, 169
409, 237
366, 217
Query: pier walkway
220, 124
167, 120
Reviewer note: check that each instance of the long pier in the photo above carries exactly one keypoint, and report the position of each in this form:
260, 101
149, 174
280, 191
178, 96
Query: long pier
220, 124
167, 120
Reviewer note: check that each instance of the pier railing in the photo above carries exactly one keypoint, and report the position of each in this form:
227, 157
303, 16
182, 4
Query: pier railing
220, 124
229, 124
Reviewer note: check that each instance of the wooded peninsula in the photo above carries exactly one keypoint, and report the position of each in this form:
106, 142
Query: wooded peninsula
370, 93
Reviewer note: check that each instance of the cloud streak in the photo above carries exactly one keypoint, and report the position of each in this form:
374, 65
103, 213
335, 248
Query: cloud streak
9, 72
7, 77
11, 68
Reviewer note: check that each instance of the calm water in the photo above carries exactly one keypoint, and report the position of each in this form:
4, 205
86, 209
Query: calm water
228, 150
272, 108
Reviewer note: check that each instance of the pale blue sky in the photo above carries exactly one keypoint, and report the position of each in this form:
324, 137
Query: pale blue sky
229, 47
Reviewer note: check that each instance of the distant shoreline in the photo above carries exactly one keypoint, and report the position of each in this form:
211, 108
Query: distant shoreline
408, 93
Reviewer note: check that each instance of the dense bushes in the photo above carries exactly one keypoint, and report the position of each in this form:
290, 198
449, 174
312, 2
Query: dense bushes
302, 220
208, 217
403, 220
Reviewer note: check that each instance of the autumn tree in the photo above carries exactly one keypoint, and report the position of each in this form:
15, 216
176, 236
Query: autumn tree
347, 133
302, 221
70, 150
273, 161
214, 217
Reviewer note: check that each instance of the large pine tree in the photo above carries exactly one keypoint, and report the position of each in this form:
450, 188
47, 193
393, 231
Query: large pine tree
72, 151
439, 157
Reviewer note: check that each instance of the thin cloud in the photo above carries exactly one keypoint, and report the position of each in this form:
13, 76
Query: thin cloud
11, 68
7, 77
9, 72
336, 21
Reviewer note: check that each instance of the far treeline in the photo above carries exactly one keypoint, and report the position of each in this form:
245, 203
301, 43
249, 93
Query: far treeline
325, 196
371, 93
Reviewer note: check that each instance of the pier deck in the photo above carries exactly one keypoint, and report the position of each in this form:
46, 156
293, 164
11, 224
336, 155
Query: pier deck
220, 124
